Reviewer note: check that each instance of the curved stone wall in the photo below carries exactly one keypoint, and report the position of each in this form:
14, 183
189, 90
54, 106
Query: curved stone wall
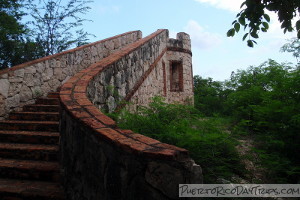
22, 84
101, 161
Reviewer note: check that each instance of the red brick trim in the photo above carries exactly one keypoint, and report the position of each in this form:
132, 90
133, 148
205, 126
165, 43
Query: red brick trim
75, 102
177, 49
164, 78
14, 68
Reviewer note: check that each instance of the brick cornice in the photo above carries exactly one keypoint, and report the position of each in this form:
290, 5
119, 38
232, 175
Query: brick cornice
182, 50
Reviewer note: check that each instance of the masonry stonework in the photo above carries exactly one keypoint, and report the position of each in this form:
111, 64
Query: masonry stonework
22, 84
99, 160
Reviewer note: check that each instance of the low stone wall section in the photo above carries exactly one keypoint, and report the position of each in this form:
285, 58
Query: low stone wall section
101, 161
22, 84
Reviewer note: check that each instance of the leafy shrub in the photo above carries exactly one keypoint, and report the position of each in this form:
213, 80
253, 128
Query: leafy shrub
183, 126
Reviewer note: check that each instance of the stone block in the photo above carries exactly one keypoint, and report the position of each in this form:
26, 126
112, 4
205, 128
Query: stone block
30, 70
25, 94
111, 103
4, 87
164, 178
37, 79
58, 73
54, 84
13, 102
36, 92
2, 105
29, 80
40, 68
14, 79
48, 74
14, 89
19, 73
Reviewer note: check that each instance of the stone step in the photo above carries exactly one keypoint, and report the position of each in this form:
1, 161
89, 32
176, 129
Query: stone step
11, 189
17, 125
41, 108
30, 137
39, 116
53, 95
47, 101
29, 151
28, 169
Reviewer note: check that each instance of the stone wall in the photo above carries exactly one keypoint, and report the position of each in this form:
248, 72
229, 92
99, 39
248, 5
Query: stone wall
101, 161
22, 84
116, 82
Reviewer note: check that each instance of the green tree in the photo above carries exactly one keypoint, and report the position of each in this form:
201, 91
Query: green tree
266, 104
209, 95
293, 46
55, 24
16, 47
253, 17
11, 33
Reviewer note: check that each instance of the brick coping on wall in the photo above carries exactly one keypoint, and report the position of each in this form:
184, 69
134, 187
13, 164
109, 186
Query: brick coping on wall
74, 100
23, 65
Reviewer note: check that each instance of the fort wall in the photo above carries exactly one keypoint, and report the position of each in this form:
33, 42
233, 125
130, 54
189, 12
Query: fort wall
101, 161
22, 84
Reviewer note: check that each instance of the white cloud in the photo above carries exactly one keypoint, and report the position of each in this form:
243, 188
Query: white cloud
231, 5
201, 38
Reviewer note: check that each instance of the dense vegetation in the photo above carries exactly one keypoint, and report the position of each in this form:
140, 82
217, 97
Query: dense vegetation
183, 126
262, 103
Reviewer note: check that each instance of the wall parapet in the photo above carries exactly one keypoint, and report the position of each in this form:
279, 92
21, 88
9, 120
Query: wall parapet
99, 158
22, 84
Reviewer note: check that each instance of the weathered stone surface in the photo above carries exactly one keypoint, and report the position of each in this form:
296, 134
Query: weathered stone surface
2, 105
29, 80
30, 70
37, 79
58, 73
45, 88
48, 73
15, 79
164, 178
13, 102
36, 92
19, 73
117, 43
54, 83
25, 93
4, 87
111, 103
3, 76
40, 67
14, 89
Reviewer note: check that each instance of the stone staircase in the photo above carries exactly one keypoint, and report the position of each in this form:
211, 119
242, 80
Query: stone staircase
29, 168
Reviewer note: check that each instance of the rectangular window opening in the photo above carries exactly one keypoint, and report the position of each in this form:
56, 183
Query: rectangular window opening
176, 76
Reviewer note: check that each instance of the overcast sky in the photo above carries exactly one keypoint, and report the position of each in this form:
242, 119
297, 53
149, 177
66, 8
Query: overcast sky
207, 21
